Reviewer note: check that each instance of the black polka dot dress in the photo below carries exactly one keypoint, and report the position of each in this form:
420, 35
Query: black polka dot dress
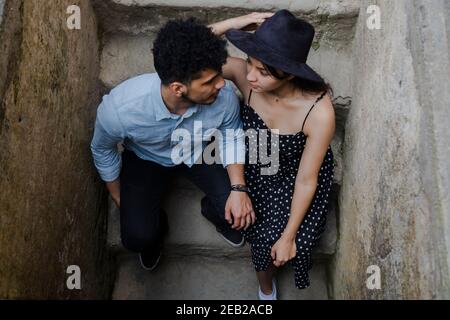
272, 195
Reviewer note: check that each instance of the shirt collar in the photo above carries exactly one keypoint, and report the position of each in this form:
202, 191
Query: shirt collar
161, 111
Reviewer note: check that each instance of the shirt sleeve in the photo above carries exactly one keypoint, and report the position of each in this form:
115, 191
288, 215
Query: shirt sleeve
108, 133
232, 147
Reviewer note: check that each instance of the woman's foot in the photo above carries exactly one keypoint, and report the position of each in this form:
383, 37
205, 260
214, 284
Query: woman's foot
271, 296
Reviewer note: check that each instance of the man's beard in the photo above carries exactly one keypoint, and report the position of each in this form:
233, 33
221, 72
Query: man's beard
188, 99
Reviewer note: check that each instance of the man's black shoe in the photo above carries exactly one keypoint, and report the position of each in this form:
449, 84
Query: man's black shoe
150, 258
233, 237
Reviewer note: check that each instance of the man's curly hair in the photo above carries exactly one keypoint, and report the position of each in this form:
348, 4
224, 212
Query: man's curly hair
184, 48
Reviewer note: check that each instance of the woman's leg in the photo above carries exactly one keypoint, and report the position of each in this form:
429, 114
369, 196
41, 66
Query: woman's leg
265, 279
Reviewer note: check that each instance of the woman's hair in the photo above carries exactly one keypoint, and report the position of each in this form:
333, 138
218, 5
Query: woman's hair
304, 85
184, 48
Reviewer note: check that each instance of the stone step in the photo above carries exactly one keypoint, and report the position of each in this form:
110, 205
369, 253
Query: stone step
208, 278
142, 16
190, 233
322, 6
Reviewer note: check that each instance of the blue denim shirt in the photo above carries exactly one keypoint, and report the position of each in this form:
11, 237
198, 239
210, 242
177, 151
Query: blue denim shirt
134, 113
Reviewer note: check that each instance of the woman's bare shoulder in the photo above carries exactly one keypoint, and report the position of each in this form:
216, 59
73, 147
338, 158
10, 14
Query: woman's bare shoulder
322, 116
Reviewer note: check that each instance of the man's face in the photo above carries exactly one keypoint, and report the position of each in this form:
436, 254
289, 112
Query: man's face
205, 89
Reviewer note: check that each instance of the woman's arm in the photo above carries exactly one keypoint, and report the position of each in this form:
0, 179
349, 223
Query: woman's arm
236, 68
250, 21
323, 122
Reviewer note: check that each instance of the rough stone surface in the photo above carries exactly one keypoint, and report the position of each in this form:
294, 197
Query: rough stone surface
333, 7
199, 277
51, 213
394, 201
334, 20
10, 39
124, 57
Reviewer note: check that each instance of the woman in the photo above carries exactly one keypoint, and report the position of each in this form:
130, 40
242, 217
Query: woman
283, 93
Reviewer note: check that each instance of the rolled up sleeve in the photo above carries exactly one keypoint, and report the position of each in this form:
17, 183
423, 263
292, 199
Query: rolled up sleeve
108, 133
232, 148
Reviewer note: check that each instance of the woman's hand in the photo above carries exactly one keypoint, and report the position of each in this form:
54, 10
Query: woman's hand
248, 22
283, 250
251, 21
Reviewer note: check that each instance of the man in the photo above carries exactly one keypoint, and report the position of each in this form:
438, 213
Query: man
146, 113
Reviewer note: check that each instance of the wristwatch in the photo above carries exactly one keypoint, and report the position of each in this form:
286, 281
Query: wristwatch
239, 188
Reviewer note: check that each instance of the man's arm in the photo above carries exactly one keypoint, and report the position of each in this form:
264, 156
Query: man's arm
235, 69
236, 174
114, 189
238, 204
107, 134
239, 209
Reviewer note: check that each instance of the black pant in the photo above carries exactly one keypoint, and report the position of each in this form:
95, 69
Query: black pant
142, 187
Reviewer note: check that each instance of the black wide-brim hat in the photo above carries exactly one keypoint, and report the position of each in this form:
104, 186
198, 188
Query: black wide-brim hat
282, 41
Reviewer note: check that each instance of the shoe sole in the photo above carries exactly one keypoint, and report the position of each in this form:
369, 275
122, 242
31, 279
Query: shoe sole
151, 268
234, 245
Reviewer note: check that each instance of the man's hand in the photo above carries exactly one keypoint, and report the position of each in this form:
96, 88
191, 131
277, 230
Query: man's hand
116, 201
240, 208
114, 189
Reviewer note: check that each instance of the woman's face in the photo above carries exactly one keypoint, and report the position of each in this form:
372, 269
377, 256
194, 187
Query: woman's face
259, 78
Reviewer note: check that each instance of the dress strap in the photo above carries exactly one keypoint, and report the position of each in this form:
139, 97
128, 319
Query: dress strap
249, 97
318, 99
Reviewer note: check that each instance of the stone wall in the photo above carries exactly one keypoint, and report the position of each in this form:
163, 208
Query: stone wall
52, 204
394, 201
